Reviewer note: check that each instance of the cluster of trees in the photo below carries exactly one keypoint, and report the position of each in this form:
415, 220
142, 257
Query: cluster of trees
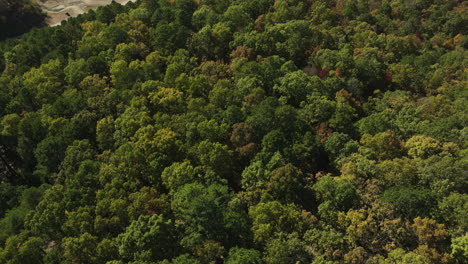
18, 17
237, 131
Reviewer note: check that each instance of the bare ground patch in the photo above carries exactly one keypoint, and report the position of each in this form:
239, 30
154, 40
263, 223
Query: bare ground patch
59, 10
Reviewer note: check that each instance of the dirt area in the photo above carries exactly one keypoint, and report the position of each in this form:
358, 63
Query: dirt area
58, 10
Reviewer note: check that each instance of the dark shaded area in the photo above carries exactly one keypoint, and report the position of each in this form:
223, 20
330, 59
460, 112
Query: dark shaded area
18, 17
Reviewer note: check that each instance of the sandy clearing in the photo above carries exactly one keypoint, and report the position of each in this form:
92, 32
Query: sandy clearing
57, 9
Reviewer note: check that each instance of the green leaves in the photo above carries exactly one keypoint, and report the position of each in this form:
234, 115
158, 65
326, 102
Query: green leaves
338, 190
205, 213
45, 82
148, 238
247, 131
243, 255
410, 202
81, 249
273, 218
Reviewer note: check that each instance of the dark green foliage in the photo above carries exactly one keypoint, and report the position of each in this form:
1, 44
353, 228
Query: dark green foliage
246, 131
339, 193
410, 202
148, 238
208, 214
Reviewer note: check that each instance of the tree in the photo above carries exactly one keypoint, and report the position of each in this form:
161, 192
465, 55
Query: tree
286, 184
168, 37
22, 248
215, 41
325, 242
80, 221
112, 35
422, 147
178, 174
460, 248
150, 237
49, 153
147, 201
104, 133
242, 134
410, 202
286, 249
76, 71
45, 82
428, 231
383, 145
375, 123
401, 256
262, 117
336, 144
243, 255
167, 99
271, 219
294, 87
344, 114
452, 209
130, 121
82, 185
243, 138
286, 10
183, 259
208, 215
77, 152
274, 141
401, 172
256, 174
80, 249
49, 214
236, 17
10, 124
337, 191
215, 155
317, 109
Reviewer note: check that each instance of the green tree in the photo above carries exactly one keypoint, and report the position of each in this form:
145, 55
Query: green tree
460, 248
22, 248
270, 219
215, 155
382, 145
80, 249
286, 249
286, 184
410, 202
452, 209
45, 82
178, 174
149, 238
295, 87
10, 124
76, 71
208, 214
49, 214
243, 255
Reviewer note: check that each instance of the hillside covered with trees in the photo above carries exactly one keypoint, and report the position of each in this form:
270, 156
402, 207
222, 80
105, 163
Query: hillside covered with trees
238, 132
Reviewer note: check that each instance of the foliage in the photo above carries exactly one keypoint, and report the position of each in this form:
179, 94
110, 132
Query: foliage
243, 131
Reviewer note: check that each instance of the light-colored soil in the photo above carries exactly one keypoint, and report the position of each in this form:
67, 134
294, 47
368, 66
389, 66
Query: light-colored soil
57, 9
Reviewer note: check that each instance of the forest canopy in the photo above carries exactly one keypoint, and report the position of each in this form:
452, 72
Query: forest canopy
237, 131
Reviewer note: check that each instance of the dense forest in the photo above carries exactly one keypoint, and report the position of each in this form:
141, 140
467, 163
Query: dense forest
238, 131
19, 16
